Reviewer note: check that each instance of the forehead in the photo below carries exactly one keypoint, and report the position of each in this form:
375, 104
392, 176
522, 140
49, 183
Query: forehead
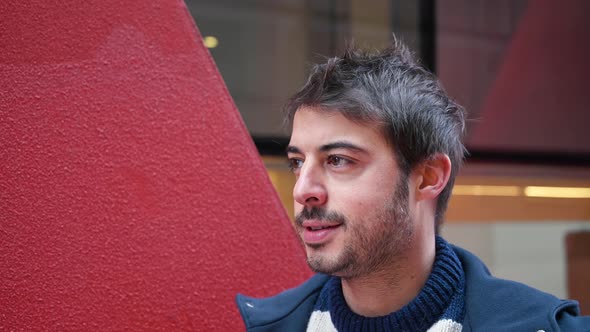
315, 127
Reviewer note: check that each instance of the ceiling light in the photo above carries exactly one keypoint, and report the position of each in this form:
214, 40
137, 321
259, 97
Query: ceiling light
557, 192
210, 42
481, 190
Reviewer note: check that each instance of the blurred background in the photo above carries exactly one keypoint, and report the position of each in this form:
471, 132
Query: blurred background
522, 201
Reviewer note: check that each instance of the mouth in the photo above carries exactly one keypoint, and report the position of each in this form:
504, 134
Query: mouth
315, 233
317, 228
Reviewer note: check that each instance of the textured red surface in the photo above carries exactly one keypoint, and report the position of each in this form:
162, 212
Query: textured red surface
131, 196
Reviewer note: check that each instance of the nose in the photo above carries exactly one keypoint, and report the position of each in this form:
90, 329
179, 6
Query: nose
310, 189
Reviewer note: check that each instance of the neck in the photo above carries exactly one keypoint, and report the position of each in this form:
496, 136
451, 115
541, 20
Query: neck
392, 287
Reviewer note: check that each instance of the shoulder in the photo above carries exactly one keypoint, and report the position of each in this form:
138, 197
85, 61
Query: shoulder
287, 311
492, 303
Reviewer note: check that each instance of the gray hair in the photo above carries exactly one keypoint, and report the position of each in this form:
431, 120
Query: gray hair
390, 89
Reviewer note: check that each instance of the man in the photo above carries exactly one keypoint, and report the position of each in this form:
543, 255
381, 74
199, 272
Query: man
376, 144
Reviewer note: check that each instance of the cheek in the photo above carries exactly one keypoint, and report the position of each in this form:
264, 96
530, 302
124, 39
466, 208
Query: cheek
363, 204
354, 205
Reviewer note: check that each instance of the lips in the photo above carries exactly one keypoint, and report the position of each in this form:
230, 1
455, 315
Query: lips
312, 223
316, 232
318, 228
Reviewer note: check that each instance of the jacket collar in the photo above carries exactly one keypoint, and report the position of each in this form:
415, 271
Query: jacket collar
287, 311
490, 303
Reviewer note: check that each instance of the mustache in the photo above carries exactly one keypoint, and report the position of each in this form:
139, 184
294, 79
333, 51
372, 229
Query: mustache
319, 214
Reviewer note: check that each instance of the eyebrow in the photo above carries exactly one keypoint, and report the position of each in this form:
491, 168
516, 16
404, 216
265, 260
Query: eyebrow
292, 149
330, 146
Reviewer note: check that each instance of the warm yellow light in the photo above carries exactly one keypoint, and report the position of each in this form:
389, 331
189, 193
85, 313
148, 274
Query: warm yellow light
557, 192
275, 177
481, 190
210, 42
529, 191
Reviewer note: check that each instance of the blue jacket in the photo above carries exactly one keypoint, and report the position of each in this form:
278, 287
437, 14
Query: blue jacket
491, 304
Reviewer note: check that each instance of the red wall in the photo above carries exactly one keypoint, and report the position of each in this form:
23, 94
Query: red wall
131, 196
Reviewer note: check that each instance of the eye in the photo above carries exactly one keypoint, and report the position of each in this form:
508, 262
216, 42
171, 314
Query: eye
338, 161
295, 164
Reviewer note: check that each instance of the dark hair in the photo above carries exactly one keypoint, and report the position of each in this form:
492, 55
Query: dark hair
391, 89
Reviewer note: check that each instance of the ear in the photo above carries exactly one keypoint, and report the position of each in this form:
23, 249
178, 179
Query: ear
433, 175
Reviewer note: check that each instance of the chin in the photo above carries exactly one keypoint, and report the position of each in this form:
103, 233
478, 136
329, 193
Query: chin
323, 262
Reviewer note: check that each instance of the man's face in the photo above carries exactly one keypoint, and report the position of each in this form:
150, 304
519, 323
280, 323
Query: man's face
351, 200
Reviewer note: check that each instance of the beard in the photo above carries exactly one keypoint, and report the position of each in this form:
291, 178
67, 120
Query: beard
375, 242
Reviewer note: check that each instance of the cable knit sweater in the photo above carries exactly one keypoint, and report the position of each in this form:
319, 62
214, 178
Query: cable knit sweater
438, 307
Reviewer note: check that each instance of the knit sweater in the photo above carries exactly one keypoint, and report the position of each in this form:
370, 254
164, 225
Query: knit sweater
438, 307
